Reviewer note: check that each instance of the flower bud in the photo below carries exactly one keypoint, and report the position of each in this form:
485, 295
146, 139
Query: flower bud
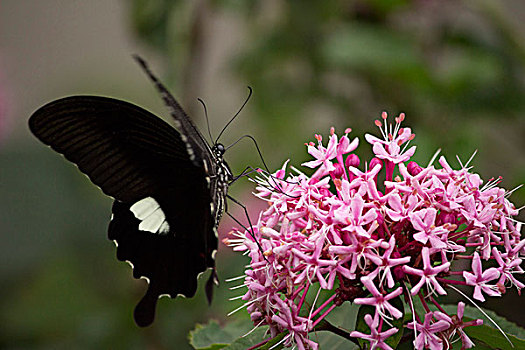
374, 162
414, 168
338, 172
446, 218
352, 160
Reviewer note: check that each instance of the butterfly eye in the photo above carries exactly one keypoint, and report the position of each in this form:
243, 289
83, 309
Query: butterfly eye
220, 148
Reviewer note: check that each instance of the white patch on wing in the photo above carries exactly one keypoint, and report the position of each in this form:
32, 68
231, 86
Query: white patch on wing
144, 278
151, 215
213, 254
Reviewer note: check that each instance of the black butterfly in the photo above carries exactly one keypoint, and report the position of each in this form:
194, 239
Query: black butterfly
169, 186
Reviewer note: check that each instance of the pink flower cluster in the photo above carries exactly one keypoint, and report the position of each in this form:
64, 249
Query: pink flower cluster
370, 241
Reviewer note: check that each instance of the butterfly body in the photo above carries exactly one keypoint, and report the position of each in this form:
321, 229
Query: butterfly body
169, 186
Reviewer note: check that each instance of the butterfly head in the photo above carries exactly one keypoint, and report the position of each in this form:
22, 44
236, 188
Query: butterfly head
218, 150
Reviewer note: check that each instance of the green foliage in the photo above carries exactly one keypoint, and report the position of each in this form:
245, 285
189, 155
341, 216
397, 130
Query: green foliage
212, 336
343, 317
493, 338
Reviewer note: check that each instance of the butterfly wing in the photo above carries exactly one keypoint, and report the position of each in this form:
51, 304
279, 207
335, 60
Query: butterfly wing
198, 148
161, 214
201, 154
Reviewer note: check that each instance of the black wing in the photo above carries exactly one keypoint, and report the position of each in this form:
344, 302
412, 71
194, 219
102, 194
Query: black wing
198, 148
115, 143
133, 155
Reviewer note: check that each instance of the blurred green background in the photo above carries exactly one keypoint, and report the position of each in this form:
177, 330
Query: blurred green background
456, 68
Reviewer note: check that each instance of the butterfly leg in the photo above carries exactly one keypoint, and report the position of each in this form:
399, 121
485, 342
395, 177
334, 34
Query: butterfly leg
246, 172
249, 221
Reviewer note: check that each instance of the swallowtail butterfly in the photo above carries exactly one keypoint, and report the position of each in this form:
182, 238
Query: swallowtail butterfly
169, 185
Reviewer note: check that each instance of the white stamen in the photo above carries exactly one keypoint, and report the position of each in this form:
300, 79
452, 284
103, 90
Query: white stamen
433, 159
254, 328
235, 278
237, 287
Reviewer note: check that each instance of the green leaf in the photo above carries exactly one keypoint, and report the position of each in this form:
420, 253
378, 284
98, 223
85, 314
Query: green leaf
212, 336
344, 318
362, 327
271, 344
254, 338
493, 338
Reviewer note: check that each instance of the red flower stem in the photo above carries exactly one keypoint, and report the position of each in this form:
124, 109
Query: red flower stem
389, 169
303, 297
464, 256
298, 268
437, 305
323, 315
444, 280
455, 273
468, 257
320, 308
341, 161
296, 292
427, 309
406, 246
258, 345
385, 226
480, 244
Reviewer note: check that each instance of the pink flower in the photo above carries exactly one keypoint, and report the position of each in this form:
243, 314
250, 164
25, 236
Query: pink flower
379, 300
376, 337
427, 337
401, 206
507, 268
428, 274
456, 325
389, 148
323, 156
479, 278
385, 263
424, 222
356, 220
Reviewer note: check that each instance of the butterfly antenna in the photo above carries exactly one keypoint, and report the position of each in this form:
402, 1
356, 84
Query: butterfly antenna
207, 120
236, 114
256, 146
168, 99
